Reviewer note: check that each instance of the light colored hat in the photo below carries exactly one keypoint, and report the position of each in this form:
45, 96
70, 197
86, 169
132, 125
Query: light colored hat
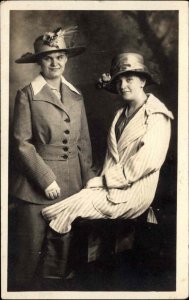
52, 42
126, 63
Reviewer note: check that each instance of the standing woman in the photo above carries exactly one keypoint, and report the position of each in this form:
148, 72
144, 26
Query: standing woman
137, 146
52, 147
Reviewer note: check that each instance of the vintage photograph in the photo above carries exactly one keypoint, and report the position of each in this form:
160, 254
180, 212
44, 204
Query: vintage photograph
93, 150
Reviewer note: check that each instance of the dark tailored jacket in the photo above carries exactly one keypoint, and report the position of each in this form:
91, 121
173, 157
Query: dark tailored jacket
51, 142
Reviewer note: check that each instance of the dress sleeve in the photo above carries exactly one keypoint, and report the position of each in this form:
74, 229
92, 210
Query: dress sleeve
30, 162
149, 158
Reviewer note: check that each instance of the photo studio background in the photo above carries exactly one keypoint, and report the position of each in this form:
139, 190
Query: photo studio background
106, 33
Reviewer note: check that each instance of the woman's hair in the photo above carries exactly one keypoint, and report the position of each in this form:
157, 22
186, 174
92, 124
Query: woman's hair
142, 76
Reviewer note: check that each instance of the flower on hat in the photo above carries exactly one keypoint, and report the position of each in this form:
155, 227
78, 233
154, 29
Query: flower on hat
103, 80
52, 38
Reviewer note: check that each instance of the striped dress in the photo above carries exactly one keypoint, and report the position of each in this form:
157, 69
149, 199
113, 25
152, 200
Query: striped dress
128, 182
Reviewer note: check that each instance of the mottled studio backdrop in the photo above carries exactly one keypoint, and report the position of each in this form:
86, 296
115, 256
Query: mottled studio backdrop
105, 33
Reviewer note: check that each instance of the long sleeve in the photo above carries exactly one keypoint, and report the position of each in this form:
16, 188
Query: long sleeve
29, 160
149, 158
85, 152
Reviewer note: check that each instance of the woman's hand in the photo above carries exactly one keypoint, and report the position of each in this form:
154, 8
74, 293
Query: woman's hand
95, 182
52, 191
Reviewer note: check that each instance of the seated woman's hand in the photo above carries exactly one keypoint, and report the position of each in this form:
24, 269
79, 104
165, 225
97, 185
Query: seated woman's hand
95, 182
52, 191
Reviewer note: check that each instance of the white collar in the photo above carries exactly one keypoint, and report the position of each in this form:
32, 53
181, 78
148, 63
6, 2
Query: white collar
39, 82
154, 105
70, 85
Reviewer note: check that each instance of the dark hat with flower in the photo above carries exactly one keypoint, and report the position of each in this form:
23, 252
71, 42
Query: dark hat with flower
130, 63
53, 42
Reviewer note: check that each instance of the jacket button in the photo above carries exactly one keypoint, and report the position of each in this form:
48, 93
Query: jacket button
65, 148
67, 131
65, 141
65, 156
67, 120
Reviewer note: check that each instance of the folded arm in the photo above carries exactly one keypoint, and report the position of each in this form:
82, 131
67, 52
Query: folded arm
149, 158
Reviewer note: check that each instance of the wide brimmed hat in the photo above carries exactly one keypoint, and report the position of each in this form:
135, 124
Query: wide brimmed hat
58, 40
132, 63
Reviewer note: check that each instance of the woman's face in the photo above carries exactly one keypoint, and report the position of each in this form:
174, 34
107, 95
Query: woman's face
130, 87
53, 64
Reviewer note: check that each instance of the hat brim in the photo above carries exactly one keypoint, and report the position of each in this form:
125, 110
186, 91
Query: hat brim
111, 86
32, 58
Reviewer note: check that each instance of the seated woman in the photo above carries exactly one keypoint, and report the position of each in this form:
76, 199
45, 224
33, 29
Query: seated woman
137, 146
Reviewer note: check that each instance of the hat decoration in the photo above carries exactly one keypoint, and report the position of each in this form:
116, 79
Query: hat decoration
103, 80
52, 42
53, 39
125, 63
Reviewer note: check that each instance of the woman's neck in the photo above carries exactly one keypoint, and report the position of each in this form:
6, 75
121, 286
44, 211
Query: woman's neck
133, 105
54, 82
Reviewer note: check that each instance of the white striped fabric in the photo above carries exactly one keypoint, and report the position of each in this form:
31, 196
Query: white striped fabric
151, 218
131, 170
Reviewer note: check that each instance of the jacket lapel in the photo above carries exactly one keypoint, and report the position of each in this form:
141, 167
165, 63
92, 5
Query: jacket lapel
112, 142
47, 95
133, 130
138, 124
68, 97
136, 127
154, 105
